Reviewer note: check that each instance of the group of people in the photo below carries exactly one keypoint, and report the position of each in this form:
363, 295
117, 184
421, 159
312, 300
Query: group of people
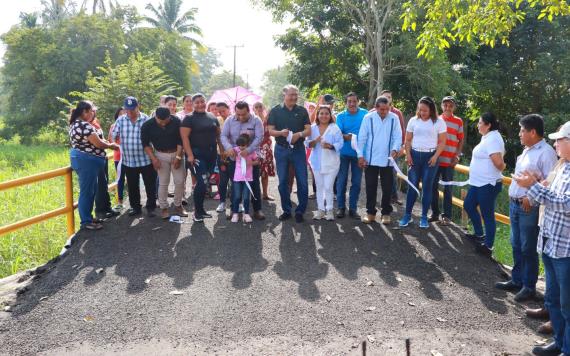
207, 140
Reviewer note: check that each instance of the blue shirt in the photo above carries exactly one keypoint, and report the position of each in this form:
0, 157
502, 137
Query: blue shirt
132, 150
349, 124
374, 140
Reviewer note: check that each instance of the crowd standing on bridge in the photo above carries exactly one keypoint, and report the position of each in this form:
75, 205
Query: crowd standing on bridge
236, 150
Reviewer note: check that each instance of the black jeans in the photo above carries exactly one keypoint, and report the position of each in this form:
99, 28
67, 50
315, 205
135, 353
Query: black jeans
224, 168
102, 198
255, 184
204, 163
149, 178
446, 175
371, 179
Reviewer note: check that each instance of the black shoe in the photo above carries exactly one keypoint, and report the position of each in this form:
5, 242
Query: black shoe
299, 218
508, 286
285, 216
353, 214
134, 212
547, 350
475, 238
341, 213
184, 202
524, 295
482, 249
433, 218
197, 218
205, 215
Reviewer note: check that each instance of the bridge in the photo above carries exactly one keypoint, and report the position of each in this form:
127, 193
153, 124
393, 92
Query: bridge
147, 286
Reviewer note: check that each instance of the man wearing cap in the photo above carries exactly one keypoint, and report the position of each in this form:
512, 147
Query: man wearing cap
135, 161
289, 124
538, 157
162, 143
554, 241
447, 161
349, 122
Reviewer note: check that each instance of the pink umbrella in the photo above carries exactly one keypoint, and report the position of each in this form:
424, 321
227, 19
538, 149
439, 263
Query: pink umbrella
231, 96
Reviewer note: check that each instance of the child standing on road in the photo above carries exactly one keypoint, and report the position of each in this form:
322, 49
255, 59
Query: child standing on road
243, 175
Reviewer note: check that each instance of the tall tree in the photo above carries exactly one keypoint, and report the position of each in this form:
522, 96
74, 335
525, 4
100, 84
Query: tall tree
444, 22
54, 11
207, 61
273, 82
29, 19
168, 17
222, 80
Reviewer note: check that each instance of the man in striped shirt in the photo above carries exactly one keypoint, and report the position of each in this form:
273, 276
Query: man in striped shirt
447, 161
554, 242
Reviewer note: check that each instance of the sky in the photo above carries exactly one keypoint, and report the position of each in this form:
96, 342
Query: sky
224, 23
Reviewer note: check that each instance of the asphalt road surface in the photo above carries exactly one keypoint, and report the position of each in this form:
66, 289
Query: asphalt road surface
144, 286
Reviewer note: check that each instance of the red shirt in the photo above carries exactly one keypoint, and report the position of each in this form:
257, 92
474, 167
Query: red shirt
454, 135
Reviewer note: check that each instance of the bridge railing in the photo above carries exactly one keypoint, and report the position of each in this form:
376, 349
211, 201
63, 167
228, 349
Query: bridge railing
67, 209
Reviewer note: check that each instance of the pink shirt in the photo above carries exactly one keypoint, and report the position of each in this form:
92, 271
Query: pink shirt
238, 176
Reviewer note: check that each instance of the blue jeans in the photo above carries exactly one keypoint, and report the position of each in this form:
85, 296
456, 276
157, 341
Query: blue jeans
557, 298
297, 157
446, 175
202, 170
524, 236
240, 194
485, 197
102, 197
87, 167
346, 163
421, 171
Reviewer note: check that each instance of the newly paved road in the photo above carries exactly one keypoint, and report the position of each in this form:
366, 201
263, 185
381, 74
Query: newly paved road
267, 288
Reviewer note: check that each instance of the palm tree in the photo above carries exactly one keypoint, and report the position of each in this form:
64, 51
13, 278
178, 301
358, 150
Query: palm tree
29, 19
56, 10
166, 17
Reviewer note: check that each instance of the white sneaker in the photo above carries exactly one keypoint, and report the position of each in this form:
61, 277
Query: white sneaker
319, 214
221, 208
247, 218
329, 215
235, 218
241, 209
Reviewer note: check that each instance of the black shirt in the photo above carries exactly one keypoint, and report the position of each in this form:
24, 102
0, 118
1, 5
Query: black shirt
204, 129
162, 138
294, 120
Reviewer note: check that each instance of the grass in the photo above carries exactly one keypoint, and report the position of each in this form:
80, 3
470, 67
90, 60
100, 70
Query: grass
33, 245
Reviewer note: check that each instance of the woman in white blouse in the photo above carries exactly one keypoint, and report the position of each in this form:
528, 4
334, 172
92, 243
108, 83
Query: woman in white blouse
485, 180
326, 141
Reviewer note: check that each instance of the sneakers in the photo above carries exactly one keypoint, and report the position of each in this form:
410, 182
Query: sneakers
369, 219
386, 220
118, 208
424, 224
92, 226
405, 221
329, 215
353, 214
433, 218
235, 218
319, 214
246, 218
284, 216
341, 213
217, 196
197, 218
221, 208
241, 209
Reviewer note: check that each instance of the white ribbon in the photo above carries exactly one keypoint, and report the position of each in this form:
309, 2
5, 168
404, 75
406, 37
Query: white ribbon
243, 173
290, 138
354, 144
399, 171
457, 184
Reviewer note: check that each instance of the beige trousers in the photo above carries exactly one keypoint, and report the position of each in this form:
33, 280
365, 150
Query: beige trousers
179, 175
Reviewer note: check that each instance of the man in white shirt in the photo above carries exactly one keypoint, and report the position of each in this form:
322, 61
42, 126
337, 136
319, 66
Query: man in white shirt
538, 157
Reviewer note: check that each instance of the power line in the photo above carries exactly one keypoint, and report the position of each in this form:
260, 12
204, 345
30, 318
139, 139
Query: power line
235, 47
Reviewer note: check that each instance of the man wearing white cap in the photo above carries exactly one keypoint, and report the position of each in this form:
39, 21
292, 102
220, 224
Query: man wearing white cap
554, 242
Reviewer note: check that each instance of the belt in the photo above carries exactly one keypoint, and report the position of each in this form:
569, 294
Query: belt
167, 151
424, 149
286, 145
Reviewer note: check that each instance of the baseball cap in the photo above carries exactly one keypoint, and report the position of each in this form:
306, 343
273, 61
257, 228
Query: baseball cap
130, 103
564, 132
448, 98
328, 98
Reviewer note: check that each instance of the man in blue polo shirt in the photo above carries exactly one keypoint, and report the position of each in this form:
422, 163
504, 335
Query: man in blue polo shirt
349, 122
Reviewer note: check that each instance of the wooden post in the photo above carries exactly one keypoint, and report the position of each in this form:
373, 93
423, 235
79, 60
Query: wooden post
463, 213
69, 203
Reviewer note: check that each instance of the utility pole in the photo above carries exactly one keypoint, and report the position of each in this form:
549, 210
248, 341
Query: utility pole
235, 50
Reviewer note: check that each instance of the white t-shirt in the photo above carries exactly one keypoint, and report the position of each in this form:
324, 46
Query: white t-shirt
482, 171
425, 132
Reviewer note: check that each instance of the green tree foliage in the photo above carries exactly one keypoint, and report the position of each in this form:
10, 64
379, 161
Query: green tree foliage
55, 11
139, 77
222, 80
273, 82
207, 60
443, 22
168, 17
43, 63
